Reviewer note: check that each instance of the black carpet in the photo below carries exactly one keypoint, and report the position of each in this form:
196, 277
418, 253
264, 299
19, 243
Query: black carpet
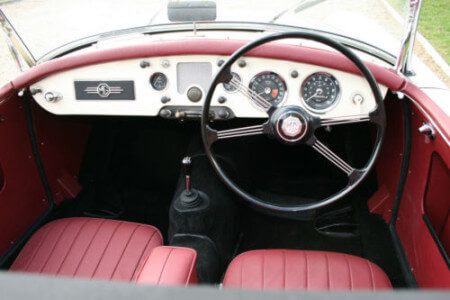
374, 242
132, 166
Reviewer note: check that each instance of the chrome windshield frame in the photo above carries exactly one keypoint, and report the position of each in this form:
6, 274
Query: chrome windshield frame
17, 47
405, 55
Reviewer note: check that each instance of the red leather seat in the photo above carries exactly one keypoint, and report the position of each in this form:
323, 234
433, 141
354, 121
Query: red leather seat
303, 270
169, 265
89, 248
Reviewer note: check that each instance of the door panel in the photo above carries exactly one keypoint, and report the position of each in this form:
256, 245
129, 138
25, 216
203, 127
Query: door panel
61, 141
426, 195
22, 199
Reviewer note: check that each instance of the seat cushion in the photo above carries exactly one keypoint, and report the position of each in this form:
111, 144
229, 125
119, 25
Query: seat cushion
89, 248
169, 265
303, 270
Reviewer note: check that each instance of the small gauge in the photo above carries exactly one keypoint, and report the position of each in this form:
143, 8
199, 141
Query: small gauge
231, 88
159, 81
270, 86
320, 91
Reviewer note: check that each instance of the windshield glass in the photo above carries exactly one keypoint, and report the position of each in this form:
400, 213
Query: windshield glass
48, 24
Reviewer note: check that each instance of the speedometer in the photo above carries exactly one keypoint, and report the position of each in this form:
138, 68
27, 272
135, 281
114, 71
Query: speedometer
270, 86
320, 91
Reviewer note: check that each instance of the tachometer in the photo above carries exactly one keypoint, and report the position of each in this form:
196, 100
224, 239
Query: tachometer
270, 86
320, 91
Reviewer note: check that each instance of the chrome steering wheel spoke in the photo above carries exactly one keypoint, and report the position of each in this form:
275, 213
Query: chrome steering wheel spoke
252, 95
333, 157
343, 120
215, 135
373, 117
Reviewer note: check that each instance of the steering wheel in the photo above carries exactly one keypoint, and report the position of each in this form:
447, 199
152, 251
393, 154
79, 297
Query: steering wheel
292, 125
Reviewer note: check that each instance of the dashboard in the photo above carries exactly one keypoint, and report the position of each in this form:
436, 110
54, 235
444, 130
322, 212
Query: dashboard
174, 87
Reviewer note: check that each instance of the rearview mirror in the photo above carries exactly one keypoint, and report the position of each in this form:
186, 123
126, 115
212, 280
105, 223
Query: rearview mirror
191, 11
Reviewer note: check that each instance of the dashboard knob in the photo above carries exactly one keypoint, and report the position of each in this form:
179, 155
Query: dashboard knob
294, 74
52, 96
358, 99
222, 100
194, 94
165, 113
165, 63
165, 99
223, 114
144, 64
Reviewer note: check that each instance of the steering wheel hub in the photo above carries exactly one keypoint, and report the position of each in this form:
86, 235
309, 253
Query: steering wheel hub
291, 124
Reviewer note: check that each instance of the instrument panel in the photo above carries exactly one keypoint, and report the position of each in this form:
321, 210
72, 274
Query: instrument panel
174, 87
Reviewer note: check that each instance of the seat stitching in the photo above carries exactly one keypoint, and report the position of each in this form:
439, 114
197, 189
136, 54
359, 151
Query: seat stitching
71, 245
164, 265
88, 247
142, 254
371, 276
104, 250
349, 272
54, 247
47, 232
124, 249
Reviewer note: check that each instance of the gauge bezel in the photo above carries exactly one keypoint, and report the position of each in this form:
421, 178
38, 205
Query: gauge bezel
323, 110
167, 81
282, 80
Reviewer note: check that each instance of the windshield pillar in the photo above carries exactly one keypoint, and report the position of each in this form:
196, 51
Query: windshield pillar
406, 50
19, 51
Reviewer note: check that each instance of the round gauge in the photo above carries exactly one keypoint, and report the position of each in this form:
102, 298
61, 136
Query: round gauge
231, 88
270, 86
320, 91
158, 81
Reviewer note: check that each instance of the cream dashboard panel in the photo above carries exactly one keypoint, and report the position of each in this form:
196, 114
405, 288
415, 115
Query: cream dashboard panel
149, 102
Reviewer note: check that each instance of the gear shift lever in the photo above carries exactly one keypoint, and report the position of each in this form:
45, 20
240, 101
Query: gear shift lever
189, 197
187, 166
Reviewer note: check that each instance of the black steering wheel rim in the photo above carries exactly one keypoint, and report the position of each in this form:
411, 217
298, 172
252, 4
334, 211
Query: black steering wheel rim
378, 116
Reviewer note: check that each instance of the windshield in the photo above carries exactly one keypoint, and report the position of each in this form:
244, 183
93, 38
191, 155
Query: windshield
48, 24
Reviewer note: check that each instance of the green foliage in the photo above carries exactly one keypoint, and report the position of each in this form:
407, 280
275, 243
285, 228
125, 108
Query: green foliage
434, 24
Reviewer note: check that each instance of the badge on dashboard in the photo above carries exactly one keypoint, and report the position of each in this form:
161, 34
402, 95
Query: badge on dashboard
104, 90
